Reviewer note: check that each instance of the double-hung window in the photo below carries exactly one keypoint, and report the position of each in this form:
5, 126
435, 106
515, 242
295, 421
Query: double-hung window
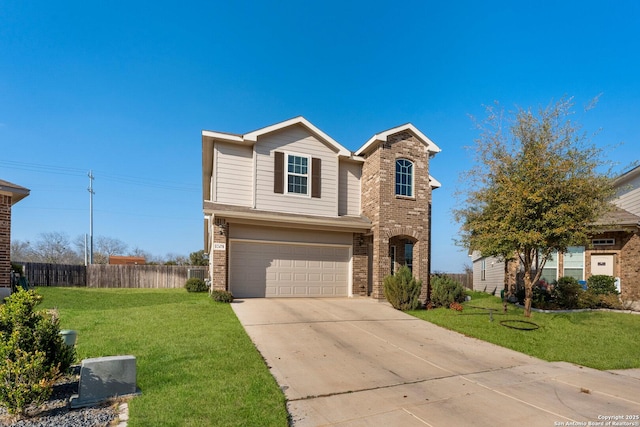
404, 178
297, 174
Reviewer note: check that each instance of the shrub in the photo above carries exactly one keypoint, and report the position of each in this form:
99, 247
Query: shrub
601, 284
541, 298
445, 290
196, 284
610, 301
566, 293
32, 352
221, 296
402, 290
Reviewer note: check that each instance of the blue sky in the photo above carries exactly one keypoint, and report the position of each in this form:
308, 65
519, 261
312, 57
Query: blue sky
124, 88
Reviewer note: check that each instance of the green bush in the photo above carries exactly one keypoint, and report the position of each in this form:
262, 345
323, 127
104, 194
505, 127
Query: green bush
610, 301
566, 292
402, 290
32, 352
588, 299
601, 284
196, 284
221, 296
445, 290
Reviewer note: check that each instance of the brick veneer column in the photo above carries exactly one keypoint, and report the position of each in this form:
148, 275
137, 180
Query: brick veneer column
360, 264
220, 257
5, 241
397, 216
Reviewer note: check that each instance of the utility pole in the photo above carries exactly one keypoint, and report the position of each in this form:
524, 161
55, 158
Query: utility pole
91, 193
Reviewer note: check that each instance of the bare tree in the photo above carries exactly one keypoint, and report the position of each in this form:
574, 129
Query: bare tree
107, 246
55, 248
22, 251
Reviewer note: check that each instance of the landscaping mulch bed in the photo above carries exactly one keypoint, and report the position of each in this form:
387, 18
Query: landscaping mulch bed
57, 413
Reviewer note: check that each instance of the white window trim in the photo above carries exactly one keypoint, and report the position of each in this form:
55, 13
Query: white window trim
413, 178
286, 174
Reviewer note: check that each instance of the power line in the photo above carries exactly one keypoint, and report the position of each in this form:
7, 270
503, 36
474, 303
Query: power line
124, 179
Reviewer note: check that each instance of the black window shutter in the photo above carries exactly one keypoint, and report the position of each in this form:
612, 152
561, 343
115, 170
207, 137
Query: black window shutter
316, 177
278, 173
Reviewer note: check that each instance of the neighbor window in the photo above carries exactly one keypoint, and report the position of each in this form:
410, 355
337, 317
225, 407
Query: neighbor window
404, 178
550, 270
574, 262
297, 174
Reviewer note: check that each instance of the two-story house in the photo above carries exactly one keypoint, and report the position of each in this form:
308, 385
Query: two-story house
290, 212
613, 251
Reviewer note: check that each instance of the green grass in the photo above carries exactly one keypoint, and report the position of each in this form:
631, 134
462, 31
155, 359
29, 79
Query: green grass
600, 340
195, 364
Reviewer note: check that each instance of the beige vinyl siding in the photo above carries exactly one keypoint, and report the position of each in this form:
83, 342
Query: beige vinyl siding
494, 275
233, 174
629, 196
349, 186
251, 232
295, 140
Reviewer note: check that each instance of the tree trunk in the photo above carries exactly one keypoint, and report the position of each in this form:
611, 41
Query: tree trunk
528, 292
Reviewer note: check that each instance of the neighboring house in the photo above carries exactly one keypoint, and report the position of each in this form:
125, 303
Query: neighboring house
10, 194
290, 212
126, 260
614, 251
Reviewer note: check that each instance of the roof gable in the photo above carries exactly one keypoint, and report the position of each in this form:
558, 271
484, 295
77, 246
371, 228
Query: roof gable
382, 137
252, 137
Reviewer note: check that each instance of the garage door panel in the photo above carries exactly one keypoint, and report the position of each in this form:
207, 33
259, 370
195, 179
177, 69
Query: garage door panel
287, 270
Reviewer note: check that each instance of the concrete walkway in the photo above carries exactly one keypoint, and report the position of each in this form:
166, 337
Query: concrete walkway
358, 362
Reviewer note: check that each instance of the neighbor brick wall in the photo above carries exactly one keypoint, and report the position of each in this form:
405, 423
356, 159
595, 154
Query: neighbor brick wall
626, 251
392, 215
630, 274
5, 241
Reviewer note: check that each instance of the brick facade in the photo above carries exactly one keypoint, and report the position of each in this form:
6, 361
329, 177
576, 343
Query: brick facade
397, 219
626, 252
360, 264
5, 241
220, 259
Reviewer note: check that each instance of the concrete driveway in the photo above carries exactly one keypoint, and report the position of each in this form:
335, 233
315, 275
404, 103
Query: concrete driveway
359, 362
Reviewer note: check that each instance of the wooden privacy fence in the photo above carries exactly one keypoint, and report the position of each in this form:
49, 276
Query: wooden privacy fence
112, 276
41, 274
465, 278
141, 276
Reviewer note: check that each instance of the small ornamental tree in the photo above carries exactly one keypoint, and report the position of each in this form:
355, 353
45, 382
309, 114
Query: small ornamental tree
32, 352
535, 189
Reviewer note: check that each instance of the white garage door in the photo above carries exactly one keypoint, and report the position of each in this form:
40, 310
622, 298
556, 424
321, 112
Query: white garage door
287, 270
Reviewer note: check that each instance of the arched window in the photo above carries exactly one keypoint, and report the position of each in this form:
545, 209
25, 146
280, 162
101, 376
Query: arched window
404, 178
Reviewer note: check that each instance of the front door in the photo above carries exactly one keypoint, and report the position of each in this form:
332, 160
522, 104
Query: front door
602, 264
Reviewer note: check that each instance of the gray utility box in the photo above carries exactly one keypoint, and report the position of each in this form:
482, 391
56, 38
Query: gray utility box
103, 378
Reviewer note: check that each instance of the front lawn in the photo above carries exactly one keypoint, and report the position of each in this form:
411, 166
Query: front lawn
597, 339
195, 364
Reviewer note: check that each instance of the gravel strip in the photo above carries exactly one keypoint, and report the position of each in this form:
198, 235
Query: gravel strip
56, 412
